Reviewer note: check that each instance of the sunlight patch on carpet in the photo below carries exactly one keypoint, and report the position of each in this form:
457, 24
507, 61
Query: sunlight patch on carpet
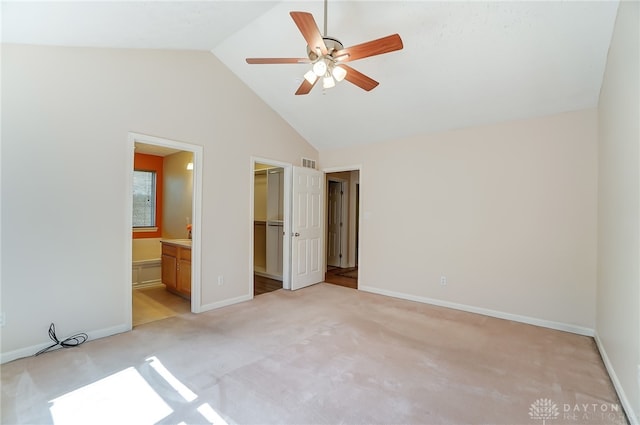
211, 415
124, 397
180, 388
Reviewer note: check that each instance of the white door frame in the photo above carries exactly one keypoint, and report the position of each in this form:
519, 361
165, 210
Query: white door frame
344, 217
196, 243
286, 200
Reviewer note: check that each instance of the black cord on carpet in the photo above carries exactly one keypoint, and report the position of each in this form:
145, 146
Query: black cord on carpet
72, 341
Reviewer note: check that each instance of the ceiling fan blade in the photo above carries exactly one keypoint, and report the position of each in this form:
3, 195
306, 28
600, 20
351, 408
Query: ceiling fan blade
305, 87
359, 79
382, 45
309, 29
277, 60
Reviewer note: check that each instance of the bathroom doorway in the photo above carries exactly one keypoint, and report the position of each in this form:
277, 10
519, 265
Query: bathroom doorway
165, 228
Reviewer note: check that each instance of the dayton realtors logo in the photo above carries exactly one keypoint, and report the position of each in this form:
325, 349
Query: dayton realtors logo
600, 412
543, 409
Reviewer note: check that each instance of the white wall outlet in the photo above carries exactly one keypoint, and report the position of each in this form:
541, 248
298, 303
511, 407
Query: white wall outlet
3, 320
443, 280
220, 280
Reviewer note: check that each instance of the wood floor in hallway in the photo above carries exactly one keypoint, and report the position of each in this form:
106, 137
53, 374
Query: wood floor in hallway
347, 277
262, 285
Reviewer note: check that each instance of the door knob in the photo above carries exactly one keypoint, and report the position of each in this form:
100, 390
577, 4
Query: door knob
296, 234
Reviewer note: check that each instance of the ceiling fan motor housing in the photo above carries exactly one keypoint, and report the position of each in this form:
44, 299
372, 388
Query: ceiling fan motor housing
333, 45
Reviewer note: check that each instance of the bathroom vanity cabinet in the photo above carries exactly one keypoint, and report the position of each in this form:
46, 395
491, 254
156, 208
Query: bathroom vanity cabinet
176, 266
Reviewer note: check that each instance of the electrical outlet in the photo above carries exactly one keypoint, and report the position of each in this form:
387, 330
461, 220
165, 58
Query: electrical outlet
2, 320
443, 280
220, 280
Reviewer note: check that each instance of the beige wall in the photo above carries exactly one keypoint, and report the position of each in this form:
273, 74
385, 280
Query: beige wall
63, 105
146, 249
618, 307
177, 198
506, 212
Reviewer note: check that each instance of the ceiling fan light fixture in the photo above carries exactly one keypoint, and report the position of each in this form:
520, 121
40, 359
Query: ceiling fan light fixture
328, 81
339, 73
320, 68
310, 76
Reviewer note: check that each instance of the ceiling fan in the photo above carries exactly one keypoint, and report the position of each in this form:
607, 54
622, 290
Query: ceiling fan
328, 56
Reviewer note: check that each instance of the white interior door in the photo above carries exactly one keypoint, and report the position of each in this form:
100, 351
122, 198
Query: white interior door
307, 228
334, 226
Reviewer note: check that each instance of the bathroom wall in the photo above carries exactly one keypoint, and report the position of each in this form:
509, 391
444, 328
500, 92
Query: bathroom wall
146, 249
146, 245
178, 195
146, 267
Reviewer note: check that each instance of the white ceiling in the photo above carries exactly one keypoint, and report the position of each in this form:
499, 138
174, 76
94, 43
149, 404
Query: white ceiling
463, 63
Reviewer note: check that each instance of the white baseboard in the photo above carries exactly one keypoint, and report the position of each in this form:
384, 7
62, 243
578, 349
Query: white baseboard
224, 303
485, 311
626, 405
30, 351
269, 275
150, 284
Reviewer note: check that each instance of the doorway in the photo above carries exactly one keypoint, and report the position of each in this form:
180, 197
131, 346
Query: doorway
302, 238
268, 227
337, 221
342, 227
165, 216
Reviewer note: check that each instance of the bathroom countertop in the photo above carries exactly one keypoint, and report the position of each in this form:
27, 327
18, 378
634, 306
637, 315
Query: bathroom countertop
185, 243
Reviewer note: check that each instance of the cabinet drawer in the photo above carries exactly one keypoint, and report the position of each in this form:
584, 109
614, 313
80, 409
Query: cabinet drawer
169, 250
185, 254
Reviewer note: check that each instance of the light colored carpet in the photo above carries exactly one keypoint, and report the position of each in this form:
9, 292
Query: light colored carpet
321, 355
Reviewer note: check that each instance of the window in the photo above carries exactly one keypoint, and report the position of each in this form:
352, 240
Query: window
144, 199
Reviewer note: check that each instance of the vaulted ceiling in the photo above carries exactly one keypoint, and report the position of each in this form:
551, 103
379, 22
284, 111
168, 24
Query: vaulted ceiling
463, 63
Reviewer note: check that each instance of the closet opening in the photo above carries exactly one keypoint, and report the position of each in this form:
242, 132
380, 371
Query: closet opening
268, 227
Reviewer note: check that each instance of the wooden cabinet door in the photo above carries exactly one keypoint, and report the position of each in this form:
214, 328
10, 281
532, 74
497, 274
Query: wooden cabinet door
169, 271
184, 277
184, 271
